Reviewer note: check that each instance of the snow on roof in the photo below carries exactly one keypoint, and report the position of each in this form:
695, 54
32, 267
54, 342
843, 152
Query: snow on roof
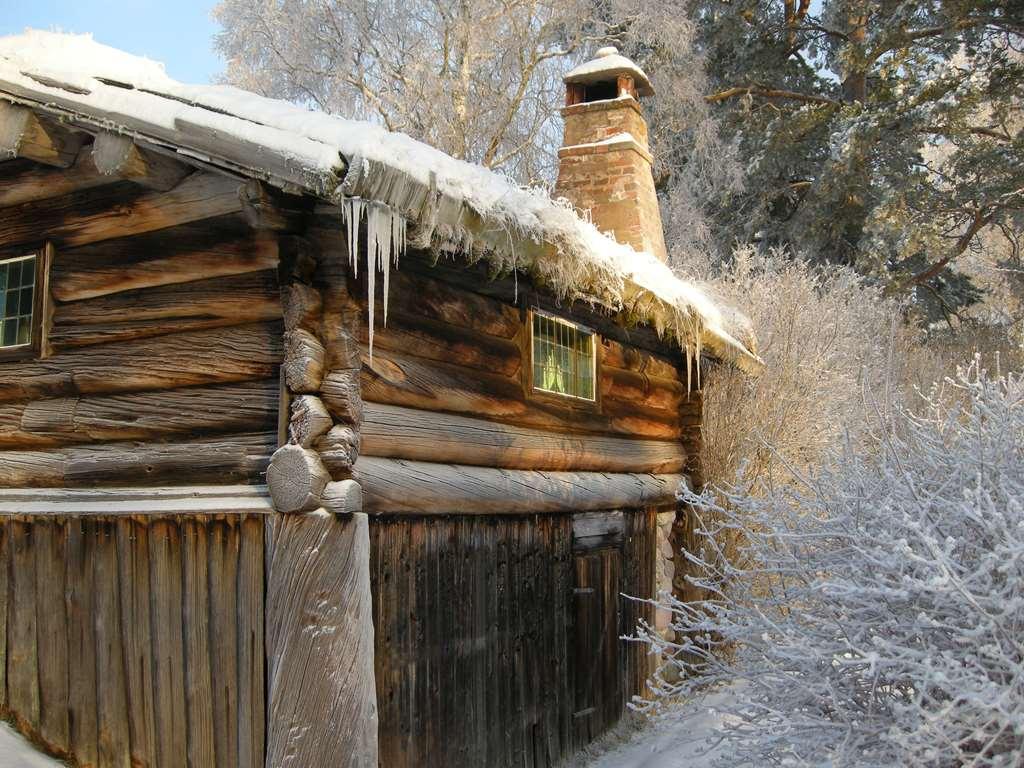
447, 202
608, 65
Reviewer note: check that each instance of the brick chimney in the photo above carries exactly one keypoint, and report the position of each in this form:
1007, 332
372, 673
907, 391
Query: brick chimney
604, 165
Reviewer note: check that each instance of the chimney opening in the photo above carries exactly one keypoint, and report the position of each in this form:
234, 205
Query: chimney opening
601, 91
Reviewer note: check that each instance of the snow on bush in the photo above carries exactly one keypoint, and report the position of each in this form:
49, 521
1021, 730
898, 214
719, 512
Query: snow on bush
876, 614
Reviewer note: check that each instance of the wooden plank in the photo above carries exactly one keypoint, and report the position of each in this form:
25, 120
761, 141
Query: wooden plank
118, 210
166, 617
406, 433
230, 458
22, 648
393, 485
111, 692
218, 356
224, 544
196, 629
133, 577
252, 657
197, 251
25, 181
79, 602
5, 568
220, 301
595, 530
320, 618
51, 620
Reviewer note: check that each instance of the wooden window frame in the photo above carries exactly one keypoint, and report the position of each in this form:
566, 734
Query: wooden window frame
40, 304
570, 401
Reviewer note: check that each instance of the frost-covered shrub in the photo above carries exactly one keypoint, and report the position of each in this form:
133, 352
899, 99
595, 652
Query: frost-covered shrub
879, 619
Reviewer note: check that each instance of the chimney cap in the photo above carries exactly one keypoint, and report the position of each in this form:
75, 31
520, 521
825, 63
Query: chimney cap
608, 65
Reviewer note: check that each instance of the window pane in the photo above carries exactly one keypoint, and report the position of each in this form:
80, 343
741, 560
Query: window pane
563, 358
17, 294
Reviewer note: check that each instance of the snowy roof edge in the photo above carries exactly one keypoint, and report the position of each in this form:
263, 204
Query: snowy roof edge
451, 203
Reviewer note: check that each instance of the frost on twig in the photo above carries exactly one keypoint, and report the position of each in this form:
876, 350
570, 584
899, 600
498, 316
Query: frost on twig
875, 615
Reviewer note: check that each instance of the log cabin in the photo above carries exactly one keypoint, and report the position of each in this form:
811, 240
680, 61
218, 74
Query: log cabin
320, 447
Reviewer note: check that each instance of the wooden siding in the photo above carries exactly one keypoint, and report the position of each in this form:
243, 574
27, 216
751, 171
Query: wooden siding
135, 641
164, 334
476, 626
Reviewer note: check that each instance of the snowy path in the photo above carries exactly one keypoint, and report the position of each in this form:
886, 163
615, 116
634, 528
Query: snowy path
15, 752
669, 740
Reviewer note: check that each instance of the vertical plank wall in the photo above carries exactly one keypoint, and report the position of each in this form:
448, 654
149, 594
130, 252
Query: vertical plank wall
474, 623
135, 642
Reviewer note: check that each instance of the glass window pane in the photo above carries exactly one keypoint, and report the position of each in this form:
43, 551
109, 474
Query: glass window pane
563, 357
17, 294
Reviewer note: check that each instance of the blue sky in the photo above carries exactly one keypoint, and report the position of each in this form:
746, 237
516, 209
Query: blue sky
177, 32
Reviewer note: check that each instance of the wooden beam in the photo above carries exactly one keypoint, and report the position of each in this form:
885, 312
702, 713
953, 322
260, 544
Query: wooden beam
228, 458
118, 156
190, 500
196, 251
296, 478
118, 210
145, 416
417, 487
268, 208
25, 134
321, 690
24, 181
407, 433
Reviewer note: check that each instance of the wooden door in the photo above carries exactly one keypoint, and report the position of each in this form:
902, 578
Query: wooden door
598, 682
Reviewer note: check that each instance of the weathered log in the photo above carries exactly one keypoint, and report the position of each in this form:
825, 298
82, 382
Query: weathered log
118, 156
435, 386
322, 704
303, 361
341, 315
309, 420
183, 254
341, 393
629, 358
25, 134
435, 340
219, 301
393, 485
339, 449
23, 181
195, 501
303, 307
221, 356
146, 416
405, 433
642, 389
296, 478
271, 209
227, 459
416, 296
344, 497
118, 210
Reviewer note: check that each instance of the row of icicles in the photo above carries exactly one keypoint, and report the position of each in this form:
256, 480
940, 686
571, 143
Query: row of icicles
385, 242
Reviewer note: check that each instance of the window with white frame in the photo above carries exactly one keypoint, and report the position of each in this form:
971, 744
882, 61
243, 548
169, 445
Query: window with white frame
564, 357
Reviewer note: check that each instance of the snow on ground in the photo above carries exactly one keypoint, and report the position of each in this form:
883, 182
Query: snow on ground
15, 752
678, 737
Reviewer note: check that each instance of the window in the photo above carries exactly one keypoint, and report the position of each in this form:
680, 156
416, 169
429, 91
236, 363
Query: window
17, 301
564, 357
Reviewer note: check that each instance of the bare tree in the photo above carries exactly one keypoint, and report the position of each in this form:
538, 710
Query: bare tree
479, 79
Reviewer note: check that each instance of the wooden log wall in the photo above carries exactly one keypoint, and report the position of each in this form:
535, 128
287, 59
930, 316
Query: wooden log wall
480, 656
135, 640
164, 332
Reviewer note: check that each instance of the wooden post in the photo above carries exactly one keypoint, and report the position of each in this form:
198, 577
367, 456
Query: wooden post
322, 700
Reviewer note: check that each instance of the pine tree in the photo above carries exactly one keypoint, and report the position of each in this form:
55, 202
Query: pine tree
882, 135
